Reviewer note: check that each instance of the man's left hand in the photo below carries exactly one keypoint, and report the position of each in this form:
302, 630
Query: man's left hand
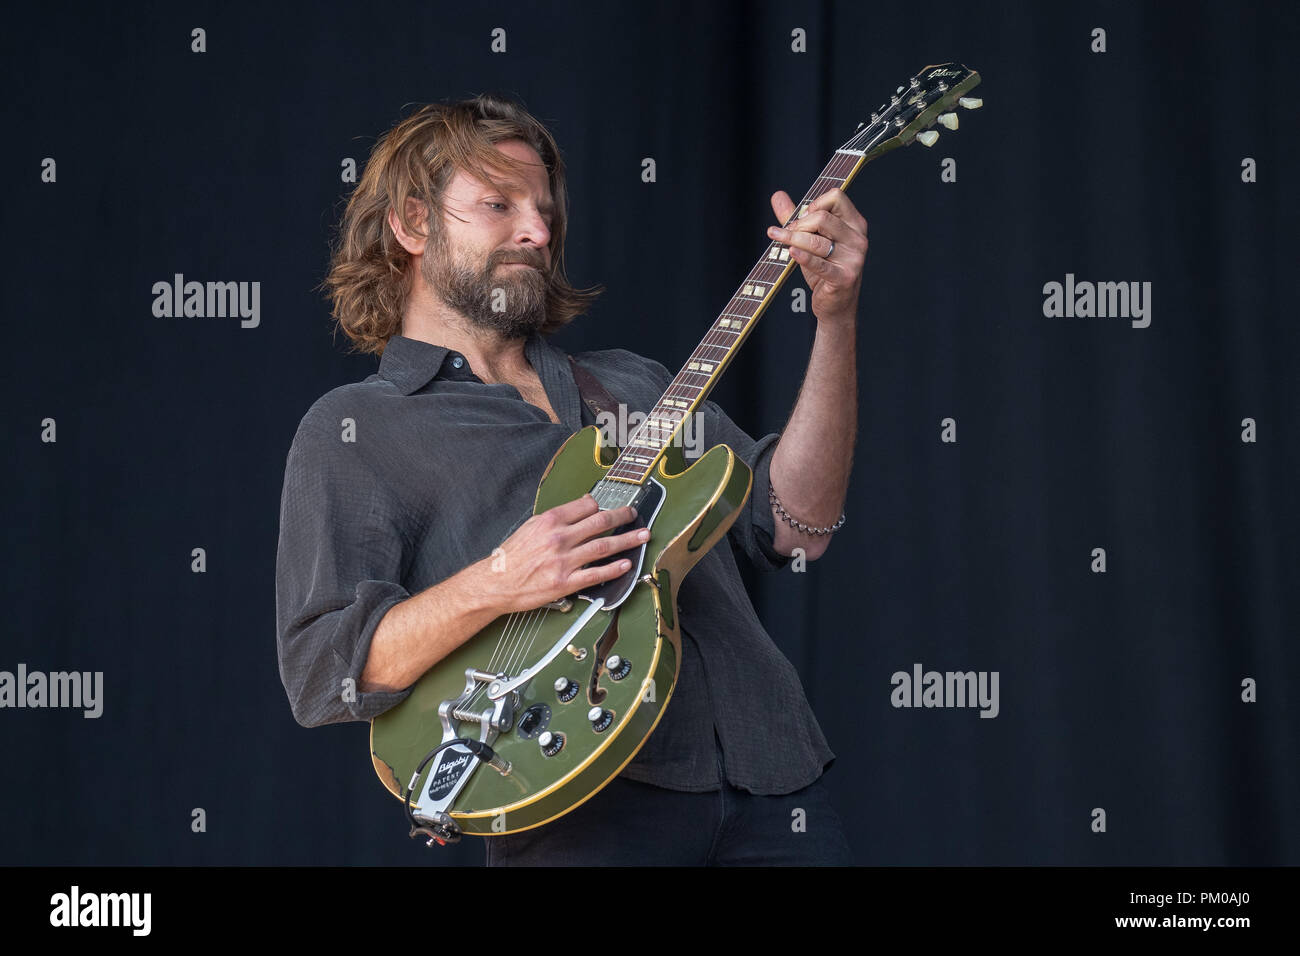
837, 281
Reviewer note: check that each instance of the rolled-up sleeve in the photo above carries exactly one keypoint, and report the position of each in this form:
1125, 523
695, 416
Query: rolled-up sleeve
754, 530
338, 566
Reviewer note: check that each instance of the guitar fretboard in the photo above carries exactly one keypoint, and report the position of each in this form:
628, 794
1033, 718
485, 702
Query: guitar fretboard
918, 104
724, 337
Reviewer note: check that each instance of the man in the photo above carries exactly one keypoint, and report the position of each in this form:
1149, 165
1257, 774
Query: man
399, 488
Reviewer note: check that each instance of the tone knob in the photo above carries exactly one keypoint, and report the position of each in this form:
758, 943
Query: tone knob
550, 743
600, 719
618, 667
566, 689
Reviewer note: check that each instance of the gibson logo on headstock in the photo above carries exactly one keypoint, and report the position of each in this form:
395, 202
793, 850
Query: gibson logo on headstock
934, 73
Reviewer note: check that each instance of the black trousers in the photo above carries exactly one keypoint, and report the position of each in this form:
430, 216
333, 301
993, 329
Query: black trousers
629, 823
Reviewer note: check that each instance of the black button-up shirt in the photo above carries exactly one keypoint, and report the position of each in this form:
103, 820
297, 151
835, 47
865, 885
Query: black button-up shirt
396, 483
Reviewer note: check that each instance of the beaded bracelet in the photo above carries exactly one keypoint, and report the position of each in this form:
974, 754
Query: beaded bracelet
771, 496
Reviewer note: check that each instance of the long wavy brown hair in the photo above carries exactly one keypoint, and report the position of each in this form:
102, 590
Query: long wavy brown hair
369, 280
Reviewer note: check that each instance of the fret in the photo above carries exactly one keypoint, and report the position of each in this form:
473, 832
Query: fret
941, 86
640, 456
709, 359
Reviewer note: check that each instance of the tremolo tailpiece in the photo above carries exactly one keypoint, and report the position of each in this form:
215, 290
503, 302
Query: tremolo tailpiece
454, 767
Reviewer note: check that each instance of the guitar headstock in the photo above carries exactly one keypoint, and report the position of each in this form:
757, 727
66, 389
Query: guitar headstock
929, 97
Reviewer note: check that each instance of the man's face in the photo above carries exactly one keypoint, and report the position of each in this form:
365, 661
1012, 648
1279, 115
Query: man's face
473, 263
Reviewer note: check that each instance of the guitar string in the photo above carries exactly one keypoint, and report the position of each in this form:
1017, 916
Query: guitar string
519, 644
522, 628
523, 652
514, 645
520, 634
835, 175
839, 168
679, 388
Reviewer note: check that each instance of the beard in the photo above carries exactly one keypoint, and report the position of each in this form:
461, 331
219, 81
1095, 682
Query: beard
505, 299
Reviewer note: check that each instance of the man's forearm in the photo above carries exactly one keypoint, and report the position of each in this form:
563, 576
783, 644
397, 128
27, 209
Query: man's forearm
420, 631
811, 465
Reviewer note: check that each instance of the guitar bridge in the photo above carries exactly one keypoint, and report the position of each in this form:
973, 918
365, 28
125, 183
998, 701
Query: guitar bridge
453, 767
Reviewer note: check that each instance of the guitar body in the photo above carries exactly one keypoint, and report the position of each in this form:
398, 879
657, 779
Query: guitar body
691, 509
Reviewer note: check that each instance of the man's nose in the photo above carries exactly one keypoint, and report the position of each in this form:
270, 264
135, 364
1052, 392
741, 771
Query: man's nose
533, 231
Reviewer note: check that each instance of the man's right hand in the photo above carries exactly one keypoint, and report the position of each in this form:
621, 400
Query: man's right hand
543, 560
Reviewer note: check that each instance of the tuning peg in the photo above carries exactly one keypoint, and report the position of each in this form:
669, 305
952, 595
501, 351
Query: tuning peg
948, 120
970, 103
928, 138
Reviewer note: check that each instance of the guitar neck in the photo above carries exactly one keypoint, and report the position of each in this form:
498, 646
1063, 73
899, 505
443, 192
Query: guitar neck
689, 389
912, 108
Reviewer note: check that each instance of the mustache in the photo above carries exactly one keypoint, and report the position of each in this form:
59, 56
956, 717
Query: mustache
536, 261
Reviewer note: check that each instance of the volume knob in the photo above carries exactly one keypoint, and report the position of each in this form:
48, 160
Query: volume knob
550, 743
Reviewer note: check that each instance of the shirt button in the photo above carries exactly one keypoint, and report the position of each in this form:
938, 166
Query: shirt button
458, 362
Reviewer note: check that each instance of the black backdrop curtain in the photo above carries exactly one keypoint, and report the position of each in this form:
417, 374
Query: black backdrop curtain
1120, 691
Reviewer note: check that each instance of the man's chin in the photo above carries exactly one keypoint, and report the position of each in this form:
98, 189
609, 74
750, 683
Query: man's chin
511, 327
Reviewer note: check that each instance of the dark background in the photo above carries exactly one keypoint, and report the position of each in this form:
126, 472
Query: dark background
1119, 690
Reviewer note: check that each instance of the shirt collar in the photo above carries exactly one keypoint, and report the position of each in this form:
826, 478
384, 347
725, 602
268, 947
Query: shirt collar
411, 364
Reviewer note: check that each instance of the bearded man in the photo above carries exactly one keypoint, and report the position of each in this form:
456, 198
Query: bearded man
401, 491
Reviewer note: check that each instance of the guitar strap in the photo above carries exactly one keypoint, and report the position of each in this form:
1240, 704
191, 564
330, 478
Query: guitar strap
593, 393
596, 398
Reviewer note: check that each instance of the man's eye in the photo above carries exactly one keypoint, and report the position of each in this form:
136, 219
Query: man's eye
499, 205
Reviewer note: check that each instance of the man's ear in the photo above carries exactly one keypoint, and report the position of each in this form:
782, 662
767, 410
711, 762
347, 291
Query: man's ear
415, 213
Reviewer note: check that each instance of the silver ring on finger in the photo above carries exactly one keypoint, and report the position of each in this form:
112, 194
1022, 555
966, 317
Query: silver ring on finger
832, 250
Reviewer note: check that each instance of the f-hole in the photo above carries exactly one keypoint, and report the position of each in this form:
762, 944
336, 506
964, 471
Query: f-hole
606, 641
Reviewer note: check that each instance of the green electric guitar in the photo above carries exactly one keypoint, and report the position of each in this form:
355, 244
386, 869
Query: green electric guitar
539, 710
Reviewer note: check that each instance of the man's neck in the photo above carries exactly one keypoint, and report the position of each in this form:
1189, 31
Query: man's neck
492, 357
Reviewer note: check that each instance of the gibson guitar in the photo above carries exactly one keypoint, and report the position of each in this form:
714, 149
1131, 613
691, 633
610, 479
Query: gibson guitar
539, 710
